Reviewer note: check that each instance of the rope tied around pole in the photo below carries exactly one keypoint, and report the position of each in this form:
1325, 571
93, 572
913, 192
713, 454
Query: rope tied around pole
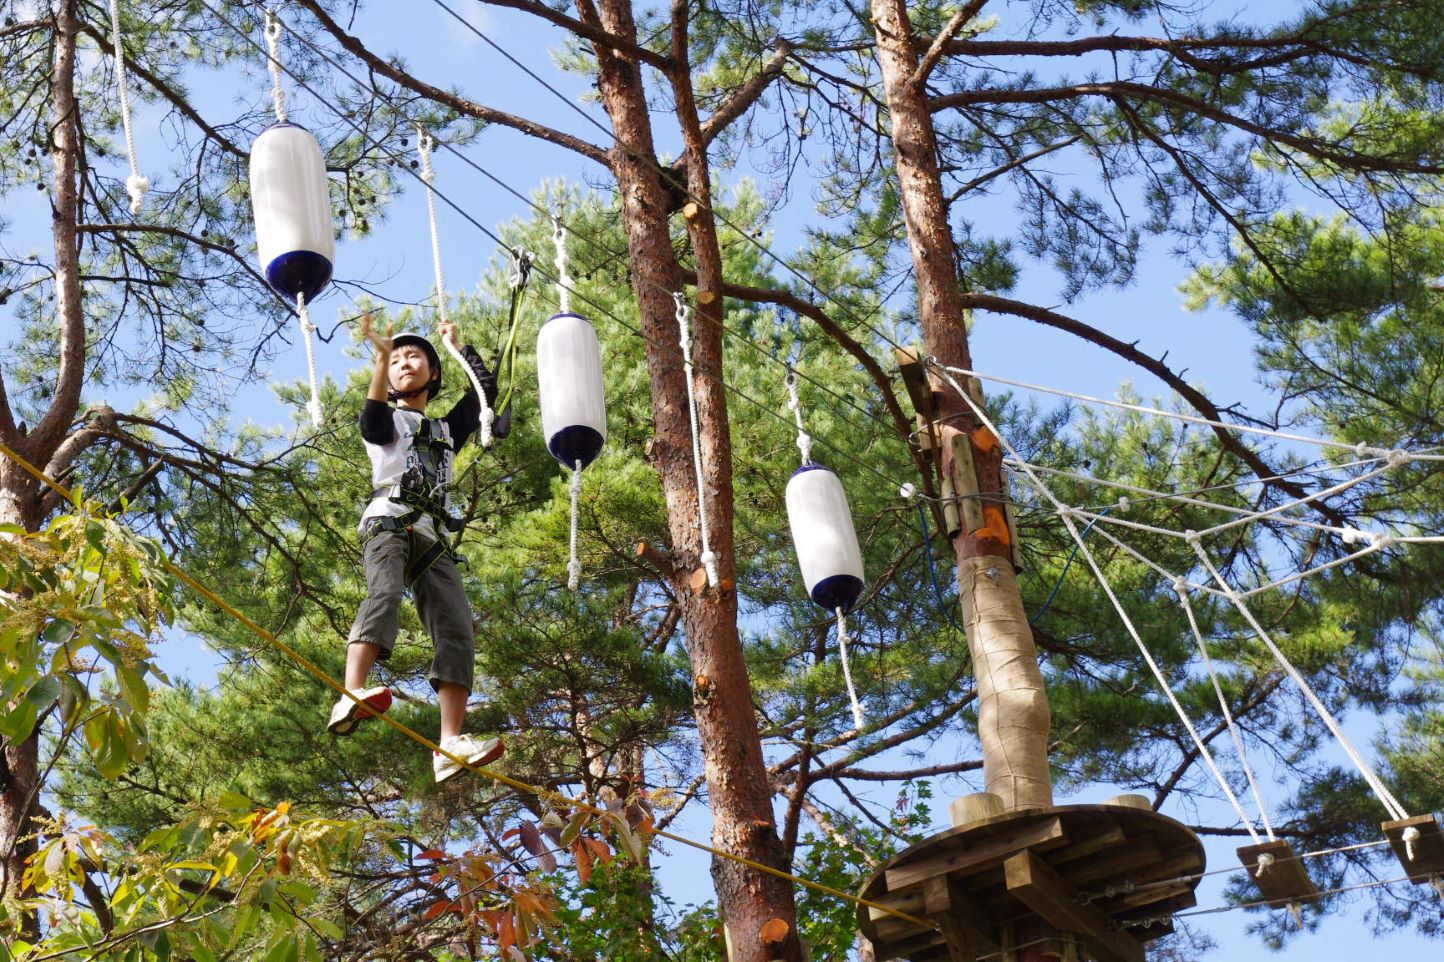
794, 404
136, 184
709, 558
574, 566
857, 715
307, 330
424, 145
273, 64
563, 261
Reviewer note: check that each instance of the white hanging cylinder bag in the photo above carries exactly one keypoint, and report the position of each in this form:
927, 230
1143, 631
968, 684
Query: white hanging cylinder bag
826, 542
570, 389
291, 204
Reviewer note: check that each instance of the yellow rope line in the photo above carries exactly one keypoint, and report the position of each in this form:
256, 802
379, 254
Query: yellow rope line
546, 793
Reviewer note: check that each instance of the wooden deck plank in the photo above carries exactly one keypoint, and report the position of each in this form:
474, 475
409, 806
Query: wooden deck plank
1284, 879
1428, 860
1043, 890
989, 853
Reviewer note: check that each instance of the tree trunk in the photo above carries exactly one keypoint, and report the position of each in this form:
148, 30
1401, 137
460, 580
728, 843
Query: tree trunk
21, 498
1013, 712
738, 787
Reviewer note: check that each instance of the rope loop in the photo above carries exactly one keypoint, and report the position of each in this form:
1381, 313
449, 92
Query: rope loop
273, 64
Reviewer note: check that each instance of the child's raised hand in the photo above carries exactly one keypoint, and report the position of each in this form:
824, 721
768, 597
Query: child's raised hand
382, 342
448, 334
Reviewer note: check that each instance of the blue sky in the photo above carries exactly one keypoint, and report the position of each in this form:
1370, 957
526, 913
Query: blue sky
397, 258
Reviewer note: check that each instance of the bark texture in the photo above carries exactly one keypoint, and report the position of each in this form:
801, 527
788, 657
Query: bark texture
21, 500
737, 783
1013, 716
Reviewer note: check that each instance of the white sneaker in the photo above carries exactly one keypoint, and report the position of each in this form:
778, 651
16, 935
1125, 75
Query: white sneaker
474, 749
347, 713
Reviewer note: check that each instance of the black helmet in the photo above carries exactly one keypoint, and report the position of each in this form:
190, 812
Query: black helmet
433, 387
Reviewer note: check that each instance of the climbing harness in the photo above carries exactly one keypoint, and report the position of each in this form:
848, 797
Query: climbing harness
423, 492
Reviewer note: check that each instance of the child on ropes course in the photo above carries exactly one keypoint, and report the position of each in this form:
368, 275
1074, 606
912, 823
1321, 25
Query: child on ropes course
403, 530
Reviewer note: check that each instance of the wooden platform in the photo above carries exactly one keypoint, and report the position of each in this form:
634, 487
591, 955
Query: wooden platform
1081, 869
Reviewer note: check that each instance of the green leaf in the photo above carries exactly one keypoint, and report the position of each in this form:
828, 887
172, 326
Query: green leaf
574, 827
285, 949
236, 802
327, 928
302, 893
245, 921
133, 687
17, 725
15, 950
58, 632
43, 693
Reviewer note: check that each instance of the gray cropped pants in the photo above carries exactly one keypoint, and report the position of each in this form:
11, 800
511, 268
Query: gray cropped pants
440, 602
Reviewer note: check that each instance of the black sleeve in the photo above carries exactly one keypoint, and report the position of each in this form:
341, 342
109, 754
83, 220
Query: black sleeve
377, 424
465, 415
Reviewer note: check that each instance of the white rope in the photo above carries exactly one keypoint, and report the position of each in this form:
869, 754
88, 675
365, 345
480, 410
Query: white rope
136, 184
273, 47
794, 404
709, 560
564, 279
424, 144
857, 715
307, 329
1181, 588
1360, 449
1390, 803
1066, 514
1328, 492
1189, 499
1197, 876
574, 566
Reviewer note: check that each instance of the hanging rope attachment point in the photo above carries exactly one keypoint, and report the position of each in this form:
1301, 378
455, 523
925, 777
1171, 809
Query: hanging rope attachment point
794, 404
563, 261
273, 64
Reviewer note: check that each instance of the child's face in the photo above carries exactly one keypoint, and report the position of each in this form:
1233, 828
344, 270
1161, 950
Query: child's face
410, 368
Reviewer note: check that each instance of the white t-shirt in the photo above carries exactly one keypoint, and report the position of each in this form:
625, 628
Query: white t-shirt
390, 461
